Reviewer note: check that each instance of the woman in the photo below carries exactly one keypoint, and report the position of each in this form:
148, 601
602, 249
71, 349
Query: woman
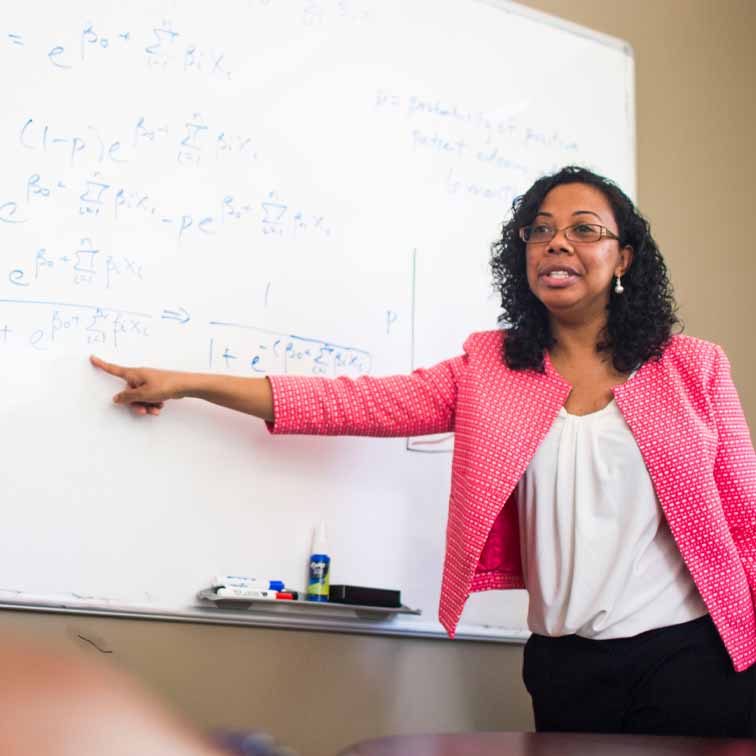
600, 461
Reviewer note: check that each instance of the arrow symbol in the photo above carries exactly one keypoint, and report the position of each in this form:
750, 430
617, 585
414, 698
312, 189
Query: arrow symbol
181, 315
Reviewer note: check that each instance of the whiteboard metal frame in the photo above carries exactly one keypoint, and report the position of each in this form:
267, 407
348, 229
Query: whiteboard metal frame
208, 616
510, 6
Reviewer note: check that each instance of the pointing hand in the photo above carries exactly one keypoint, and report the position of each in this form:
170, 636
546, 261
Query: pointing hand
147, 388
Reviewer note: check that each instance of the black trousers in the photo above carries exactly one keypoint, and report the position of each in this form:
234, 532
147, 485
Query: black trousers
676, 680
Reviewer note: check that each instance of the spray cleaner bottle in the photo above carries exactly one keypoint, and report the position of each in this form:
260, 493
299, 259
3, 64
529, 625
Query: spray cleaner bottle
320, 566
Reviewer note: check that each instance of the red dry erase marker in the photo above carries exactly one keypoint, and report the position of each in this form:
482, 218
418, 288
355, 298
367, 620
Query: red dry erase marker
286, 595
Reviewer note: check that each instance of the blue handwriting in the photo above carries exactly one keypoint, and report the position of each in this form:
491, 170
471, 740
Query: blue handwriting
283, 353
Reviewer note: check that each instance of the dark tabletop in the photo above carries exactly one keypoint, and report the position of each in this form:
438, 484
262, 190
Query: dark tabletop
549, 744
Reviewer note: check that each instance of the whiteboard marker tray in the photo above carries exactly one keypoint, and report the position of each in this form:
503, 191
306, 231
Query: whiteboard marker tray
304, 607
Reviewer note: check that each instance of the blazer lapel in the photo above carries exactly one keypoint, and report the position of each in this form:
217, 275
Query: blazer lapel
674, 440
520, 408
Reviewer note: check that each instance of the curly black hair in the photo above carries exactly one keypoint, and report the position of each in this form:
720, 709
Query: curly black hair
639, 322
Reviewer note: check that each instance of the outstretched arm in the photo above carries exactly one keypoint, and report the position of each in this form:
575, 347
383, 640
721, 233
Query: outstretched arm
423, 402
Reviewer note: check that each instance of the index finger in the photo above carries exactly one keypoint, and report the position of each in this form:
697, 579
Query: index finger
108, 367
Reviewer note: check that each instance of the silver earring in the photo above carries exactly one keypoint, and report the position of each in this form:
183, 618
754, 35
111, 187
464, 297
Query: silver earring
618, 287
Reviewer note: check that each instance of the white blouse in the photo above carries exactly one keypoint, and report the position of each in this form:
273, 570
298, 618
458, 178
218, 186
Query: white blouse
598, 557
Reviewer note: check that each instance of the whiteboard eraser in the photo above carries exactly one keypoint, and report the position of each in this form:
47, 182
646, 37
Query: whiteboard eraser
360, 596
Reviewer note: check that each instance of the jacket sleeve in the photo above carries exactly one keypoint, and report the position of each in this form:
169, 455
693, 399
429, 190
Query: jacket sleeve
420, 403
735, 466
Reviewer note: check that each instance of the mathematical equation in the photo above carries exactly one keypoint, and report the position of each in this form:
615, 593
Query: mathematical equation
248, 350
159, 46
164, 45
59, 324
99, 196
189, 143
84, 265
234, 348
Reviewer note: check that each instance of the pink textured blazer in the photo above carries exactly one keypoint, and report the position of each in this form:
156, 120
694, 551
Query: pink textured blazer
683, 411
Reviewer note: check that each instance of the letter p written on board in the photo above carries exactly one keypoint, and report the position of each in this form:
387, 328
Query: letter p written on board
391, 318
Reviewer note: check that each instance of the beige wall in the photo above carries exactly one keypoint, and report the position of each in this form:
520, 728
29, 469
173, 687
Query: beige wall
696, 69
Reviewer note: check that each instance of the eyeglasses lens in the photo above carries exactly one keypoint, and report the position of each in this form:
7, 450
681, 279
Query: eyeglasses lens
540, 234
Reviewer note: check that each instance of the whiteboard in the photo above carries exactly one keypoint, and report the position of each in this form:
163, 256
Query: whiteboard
302, 187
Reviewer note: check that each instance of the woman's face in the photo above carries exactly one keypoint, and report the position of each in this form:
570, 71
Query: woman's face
573, 278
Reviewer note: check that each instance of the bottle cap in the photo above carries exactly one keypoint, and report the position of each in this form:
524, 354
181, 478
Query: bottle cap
319, 539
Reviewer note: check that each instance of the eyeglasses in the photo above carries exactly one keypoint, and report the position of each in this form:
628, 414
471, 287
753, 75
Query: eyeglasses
540, 233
